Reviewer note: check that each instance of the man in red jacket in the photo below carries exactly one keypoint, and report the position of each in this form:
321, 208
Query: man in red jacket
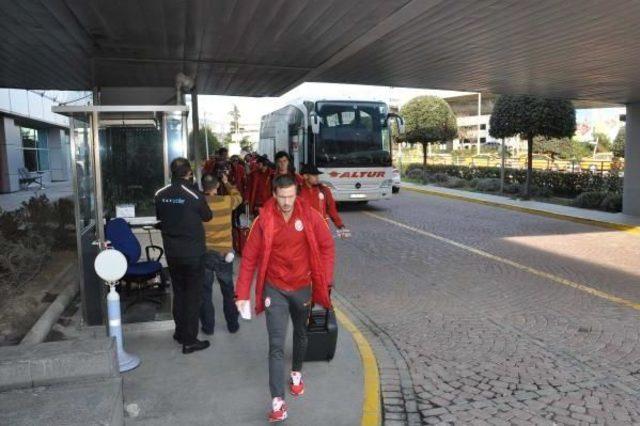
320, 198
291, 251
284, 166
259, 187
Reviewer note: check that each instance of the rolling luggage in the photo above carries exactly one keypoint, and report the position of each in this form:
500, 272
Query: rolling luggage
240, 231
240, 236
322, 334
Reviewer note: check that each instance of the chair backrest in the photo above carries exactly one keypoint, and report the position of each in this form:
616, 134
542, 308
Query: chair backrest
119, 233
24, 173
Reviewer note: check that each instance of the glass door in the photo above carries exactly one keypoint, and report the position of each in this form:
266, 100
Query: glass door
91, 288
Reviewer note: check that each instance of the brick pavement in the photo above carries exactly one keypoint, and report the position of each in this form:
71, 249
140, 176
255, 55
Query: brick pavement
485, 343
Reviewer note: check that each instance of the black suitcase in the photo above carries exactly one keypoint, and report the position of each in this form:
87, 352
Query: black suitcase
322, 334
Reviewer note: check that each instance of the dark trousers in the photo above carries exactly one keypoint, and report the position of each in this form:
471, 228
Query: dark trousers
215, 266
281, 306
187, 274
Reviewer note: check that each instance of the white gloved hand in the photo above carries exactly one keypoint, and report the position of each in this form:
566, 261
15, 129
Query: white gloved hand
344, 233
229, 257
244, 308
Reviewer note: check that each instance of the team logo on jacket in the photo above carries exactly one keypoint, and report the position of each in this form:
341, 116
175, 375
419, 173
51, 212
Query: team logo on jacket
321, 196
298, 225
267, 302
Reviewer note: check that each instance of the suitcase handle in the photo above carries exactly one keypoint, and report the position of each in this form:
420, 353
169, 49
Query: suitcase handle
327, 312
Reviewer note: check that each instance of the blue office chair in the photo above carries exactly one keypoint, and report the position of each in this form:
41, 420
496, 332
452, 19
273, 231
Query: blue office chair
119, 234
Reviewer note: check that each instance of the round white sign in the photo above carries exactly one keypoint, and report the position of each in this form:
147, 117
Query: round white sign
110, 265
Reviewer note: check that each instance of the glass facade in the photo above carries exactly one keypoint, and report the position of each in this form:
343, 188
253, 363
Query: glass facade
132, 167
85, 180
35, 149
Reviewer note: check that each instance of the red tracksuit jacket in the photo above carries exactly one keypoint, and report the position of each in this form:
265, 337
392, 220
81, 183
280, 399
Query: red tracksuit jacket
259, 188
321, 199
255, 256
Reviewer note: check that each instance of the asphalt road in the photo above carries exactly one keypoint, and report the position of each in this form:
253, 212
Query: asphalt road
500, 317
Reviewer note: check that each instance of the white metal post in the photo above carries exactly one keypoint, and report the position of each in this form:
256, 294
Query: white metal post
479, 114
206, 136
502, 168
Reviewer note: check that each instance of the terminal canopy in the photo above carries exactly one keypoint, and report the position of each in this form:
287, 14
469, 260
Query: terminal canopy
555, 48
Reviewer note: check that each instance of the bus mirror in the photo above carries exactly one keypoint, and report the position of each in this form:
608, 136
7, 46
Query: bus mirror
315, 123
401, 128
399, 122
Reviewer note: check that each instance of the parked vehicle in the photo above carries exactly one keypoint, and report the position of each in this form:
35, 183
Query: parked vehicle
349, 141
395, 188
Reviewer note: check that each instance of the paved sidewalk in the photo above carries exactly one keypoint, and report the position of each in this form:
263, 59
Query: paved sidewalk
53, 191
606, 219
227, 384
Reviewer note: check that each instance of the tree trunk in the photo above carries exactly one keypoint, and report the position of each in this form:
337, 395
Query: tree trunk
529, 166
424, 162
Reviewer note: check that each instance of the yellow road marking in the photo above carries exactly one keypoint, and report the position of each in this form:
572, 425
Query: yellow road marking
592, 291
371, 409
630, 229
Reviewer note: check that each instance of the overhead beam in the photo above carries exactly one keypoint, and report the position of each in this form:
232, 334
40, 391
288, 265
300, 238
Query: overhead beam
405, 14
199, 61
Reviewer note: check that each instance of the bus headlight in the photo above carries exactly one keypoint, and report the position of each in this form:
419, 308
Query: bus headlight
386, 183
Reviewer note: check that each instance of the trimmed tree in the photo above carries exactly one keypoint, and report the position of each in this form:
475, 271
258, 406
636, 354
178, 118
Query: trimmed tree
205, 134
428, 120
619, 142
529, 117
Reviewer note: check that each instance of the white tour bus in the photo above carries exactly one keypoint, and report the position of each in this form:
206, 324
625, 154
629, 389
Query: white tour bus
349, 141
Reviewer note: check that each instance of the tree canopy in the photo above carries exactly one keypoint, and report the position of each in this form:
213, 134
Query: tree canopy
564, 148
619, 142
529, 117
428, 119
206, 134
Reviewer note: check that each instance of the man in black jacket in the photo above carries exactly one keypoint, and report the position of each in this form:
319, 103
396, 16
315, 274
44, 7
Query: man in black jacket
180, 210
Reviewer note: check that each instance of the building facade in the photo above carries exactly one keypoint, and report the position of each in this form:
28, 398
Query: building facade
34, 142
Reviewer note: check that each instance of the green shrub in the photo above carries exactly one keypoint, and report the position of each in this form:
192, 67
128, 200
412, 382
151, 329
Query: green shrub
21, 260
454, 182
63, 215
555, 183
512, 188
612, 202
415, 174
488, 185
536, 191
38, 216
27, 236
590, 199
440, 177
11, 224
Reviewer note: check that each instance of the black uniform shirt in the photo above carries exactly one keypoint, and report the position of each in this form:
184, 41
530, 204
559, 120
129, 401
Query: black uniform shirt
181, 209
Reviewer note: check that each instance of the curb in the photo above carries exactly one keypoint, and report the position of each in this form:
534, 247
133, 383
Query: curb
397, 398
371, 407
40, 330
630, 229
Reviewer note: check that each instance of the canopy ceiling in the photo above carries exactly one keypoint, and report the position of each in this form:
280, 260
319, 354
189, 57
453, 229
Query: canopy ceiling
555, 48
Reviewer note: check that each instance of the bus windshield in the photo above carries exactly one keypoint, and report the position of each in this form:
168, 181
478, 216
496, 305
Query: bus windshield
352, 135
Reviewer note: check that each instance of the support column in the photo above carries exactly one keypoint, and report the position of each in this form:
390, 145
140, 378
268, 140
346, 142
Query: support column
631, 195
196, 133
